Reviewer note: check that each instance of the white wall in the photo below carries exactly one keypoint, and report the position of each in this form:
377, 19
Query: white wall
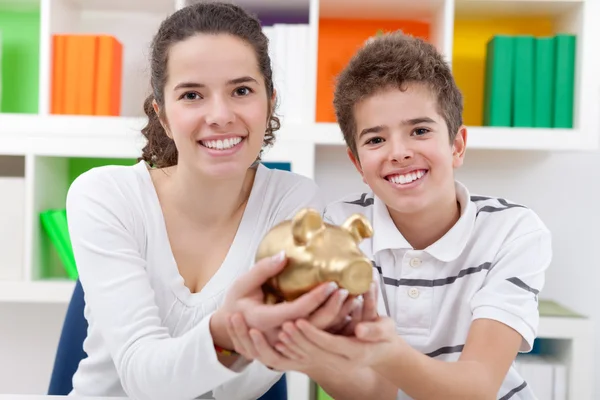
563, 188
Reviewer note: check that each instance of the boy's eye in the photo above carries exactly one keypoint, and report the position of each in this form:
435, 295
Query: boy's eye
421, 131
243, 91
375, 140
190, 96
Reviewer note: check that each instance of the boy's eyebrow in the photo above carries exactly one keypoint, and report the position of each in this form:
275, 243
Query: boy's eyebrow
195, 85
412, 121
418, 120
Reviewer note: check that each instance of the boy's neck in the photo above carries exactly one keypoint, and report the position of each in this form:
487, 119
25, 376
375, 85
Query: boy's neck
424, 229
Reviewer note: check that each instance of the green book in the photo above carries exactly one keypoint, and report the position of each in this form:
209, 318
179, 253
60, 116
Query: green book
498, 85
543, 88
523, 64
564, 80
55, 225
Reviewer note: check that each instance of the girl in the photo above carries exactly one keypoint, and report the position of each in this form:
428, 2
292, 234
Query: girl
159, 244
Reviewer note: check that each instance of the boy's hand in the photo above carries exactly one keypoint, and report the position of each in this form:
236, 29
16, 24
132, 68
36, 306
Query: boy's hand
374, 342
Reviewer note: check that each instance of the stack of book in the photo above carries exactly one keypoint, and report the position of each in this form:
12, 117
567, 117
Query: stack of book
86, 75
529, 81
289, 53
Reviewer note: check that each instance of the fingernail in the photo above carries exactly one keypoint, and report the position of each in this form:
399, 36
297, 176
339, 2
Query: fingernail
331, 287
343, 294
357, 302
277, 258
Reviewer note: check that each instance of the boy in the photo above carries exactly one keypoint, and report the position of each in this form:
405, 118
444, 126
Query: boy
458, 275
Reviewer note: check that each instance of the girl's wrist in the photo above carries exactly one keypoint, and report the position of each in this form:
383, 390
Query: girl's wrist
218, 330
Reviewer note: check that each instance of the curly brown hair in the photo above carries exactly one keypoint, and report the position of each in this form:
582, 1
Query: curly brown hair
204, 17
394, 60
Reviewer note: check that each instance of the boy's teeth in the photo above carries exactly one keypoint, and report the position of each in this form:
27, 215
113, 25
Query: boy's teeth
221, 144
407, 178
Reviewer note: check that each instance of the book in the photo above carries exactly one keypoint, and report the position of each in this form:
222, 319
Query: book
523, 81
543, 85
498, 85
565, 45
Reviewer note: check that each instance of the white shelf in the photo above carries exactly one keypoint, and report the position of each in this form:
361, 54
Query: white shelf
36, 292
120, 137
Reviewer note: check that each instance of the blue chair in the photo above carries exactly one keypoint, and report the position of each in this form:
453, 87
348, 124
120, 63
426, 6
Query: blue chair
70, 352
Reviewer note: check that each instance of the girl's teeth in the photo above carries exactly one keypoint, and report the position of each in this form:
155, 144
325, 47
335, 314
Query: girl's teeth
221, 144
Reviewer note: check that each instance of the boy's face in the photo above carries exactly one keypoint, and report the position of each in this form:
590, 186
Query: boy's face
403, 148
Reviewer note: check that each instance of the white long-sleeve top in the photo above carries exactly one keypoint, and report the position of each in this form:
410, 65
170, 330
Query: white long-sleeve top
148, 335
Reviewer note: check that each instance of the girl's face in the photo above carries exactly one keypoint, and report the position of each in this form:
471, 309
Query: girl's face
216, 104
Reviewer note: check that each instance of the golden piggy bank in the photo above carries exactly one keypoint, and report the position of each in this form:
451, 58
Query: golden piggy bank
317, 252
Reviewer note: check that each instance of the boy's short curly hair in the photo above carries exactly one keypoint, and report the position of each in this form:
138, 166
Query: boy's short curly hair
395, 60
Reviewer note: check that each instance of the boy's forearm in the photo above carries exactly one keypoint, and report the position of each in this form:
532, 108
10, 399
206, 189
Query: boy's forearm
423, 377
355, 383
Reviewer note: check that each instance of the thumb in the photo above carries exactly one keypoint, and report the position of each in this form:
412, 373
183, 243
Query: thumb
259, 274
370, 331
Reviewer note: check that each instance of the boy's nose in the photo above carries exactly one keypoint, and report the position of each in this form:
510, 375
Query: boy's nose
400, 151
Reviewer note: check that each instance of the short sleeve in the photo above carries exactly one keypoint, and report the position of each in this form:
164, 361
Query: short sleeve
510, 291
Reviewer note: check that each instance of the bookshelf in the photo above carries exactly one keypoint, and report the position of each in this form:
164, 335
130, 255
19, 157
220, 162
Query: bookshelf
47, 145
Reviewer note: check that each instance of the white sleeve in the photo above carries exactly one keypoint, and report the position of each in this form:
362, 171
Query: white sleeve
151, 364
510, 291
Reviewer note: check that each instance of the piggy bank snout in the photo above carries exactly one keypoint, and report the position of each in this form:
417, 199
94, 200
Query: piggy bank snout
357, 275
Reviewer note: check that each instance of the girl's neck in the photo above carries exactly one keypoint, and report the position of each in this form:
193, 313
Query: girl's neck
204, 201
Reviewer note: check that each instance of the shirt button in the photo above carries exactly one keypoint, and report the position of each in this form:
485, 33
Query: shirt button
413, 292
415, 262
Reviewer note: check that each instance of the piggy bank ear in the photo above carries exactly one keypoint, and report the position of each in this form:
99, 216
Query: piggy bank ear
305, 224
359, 227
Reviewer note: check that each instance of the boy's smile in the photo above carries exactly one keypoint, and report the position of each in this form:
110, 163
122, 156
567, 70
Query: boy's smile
404, 152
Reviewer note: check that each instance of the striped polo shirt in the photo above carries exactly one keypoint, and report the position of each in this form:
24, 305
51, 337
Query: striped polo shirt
490, 264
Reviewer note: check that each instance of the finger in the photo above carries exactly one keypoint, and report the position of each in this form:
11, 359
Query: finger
355, 318
336, 344
370, 304
327, 314
237, 346
381, 330
268, 355
287, 337
275, 315
300, 343
245, 342
288, 348
259, 274
345, 314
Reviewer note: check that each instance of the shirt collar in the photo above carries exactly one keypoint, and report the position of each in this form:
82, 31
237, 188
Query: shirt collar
447, 248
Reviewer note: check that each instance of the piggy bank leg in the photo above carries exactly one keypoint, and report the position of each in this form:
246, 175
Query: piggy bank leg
357, 277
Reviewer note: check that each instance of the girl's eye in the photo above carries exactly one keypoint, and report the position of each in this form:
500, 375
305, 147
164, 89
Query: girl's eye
375, 140
190, 96
243, 91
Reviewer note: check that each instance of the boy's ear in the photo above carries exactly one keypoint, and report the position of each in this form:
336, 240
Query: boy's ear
459, 146
356, 163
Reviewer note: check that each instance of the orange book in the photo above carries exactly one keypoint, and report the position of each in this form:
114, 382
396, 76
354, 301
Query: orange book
109, 76
338, 40
87, 54
57, 98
